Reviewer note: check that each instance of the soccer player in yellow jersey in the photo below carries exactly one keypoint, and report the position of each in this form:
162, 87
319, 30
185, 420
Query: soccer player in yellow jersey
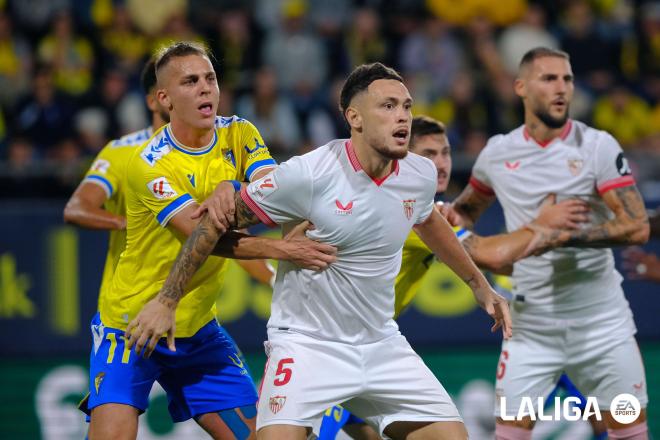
177, 168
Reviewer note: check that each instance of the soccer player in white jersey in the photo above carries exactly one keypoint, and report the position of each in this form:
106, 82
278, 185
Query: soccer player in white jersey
331, 336
569, 311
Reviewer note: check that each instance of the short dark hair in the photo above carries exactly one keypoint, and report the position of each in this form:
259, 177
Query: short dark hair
540, 52
179, 49
360, 79
148, 76
424, 126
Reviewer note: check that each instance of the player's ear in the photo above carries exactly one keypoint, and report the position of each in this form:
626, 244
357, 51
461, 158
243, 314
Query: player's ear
353, 117
519, 87
164, 99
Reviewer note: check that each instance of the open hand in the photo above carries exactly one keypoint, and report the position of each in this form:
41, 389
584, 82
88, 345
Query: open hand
307, 253
497, 307
220, 206
154, 320
567, 214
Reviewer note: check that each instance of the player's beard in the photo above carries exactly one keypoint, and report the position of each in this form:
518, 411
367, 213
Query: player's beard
392, 153
551, 121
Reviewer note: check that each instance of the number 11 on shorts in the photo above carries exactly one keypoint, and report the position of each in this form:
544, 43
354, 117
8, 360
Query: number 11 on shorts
283, 371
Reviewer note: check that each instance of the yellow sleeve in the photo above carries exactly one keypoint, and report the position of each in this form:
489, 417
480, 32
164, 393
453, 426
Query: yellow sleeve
108, 168
157, 189
251, 152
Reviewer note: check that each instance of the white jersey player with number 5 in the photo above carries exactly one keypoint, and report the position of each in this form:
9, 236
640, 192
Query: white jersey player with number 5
331, 337
569, 311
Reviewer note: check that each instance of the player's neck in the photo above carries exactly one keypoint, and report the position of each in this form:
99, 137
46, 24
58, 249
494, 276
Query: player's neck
540, 132
190, 137
156, 122
372, 162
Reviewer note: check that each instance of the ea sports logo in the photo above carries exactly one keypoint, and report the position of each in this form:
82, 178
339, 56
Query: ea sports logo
625, 408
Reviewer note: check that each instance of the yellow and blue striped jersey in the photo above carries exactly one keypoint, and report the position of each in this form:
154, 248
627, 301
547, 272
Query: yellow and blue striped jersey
109, 172
163, 177
415, 262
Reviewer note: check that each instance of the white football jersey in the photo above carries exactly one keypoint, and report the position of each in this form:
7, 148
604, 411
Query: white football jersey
368, 220
581, 163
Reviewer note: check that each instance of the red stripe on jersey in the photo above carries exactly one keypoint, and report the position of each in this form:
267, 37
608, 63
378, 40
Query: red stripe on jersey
481, 187
563, 135
260, 213
353, 159
616, 183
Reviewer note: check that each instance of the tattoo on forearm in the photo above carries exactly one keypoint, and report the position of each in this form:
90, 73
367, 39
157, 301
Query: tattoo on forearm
469, 244
244, 215
622, 229
194, 252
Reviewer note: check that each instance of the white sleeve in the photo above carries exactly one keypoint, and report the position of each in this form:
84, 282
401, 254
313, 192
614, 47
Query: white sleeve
283, 195
480, 179
427, 203
611, 167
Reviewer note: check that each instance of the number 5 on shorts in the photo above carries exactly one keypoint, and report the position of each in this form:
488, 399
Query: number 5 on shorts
281, 369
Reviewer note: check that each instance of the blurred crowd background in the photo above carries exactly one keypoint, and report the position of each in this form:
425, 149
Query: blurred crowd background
69, 71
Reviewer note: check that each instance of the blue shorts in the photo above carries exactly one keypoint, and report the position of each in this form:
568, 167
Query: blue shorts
334, 420
205, 374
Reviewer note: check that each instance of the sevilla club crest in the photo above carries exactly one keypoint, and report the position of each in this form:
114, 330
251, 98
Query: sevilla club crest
276, 403
575, 166
409, 208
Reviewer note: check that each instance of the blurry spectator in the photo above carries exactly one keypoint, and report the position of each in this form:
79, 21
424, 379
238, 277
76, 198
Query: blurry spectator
364, 42
433, 56
123, 110
34, 16
531, 32
272, 113
123, 45
648, 43
70, 54
297, 55
45, 115
20, 155
623, 115
91, 126
502, 12
237, 49
151, 16
593, 58
15, 63
177, 28
327, 122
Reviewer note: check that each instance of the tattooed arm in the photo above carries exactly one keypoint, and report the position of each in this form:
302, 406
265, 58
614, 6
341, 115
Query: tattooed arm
468, 207
630, 225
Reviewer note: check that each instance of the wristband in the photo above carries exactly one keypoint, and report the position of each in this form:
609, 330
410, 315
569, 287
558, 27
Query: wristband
236, 184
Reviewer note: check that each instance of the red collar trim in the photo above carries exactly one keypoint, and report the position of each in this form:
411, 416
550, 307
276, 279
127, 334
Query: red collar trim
563, 135
355, 163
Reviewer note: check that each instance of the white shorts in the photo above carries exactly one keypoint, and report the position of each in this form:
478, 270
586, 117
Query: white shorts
598, 353
382, 382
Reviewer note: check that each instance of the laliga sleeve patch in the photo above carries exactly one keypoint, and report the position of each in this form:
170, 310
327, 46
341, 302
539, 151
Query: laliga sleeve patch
100, 166
622, 166
263, 187
161, 188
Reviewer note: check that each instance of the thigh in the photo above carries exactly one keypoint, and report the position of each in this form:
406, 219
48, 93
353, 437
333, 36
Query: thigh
206, 375
608, 372
427, 431
118, 422
530, 364
304, 377
117, 375
399, 387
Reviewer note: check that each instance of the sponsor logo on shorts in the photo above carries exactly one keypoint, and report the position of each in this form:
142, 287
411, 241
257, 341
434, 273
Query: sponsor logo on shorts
97, 381
276, 403
236, 360
342, 209
625, 408
409, 208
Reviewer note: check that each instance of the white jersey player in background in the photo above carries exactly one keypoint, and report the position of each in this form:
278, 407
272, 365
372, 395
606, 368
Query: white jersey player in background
569, 311
331, 336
